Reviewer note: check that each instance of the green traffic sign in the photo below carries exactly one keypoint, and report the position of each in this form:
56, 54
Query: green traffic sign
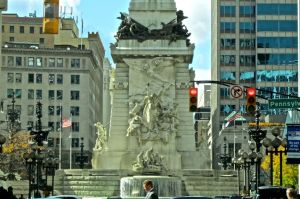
284, 103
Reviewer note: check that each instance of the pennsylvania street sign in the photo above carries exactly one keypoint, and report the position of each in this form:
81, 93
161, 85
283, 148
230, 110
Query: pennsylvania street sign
284, 103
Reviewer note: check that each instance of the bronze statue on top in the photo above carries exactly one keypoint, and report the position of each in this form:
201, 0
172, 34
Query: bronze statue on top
131, 29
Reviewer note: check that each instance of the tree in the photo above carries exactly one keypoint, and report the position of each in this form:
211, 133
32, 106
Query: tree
289, 171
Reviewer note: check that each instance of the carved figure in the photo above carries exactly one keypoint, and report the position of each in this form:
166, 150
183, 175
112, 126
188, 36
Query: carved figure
101, 139
148, 160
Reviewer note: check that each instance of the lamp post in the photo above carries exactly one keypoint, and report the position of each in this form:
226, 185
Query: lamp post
81, 163
51, 164
225, 158
272, 147
238, 165
245, 164
257, 135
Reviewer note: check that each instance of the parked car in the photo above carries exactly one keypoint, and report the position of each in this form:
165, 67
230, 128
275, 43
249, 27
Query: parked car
191, 197
63, 197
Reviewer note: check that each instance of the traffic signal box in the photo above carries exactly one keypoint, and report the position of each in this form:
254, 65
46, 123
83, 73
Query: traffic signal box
193, 92
251, 100
51, 17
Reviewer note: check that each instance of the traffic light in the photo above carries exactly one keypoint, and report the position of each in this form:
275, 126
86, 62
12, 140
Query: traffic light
251, 100
193, 92
51, 17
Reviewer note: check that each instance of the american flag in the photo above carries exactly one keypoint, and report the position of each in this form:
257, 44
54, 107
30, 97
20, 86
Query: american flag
233, 118
66, 123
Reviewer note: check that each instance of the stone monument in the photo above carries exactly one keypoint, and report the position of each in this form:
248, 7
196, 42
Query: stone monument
152, 131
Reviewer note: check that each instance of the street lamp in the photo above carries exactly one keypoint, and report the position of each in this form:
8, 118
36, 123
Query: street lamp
257, 135
272, 147
238, 165
245, 164
225, 158
50, 164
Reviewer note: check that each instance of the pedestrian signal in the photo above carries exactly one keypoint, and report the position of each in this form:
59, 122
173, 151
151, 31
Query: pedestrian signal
51, 16
251, 100
193, 92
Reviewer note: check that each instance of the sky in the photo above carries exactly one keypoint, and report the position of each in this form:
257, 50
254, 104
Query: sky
101, 16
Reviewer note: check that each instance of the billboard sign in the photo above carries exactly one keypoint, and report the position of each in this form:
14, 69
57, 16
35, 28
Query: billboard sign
293, 147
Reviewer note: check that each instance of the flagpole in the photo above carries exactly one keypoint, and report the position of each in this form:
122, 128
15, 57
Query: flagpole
234, 145
70, 149
60, 133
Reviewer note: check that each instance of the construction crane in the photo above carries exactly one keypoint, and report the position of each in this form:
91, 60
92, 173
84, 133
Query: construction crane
51, 17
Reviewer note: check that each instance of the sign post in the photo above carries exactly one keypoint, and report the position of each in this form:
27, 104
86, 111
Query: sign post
293, 147
236, 92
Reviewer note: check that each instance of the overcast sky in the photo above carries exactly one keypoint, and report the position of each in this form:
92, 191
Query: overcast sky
101, 16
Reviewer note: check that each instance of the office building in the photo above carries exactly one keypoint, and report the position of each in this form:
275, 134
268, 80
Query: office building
254, 44
62, 71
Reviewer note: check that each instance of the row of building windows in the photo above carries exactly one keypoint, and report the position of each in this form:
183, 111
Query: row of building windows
262, 76
262, 59
38, 94
277, 26
38, 78
229, 44
55, 142
31, 30
38, 62
245, 27
230, 11
276, 9
245, 60
277, 42
262, 26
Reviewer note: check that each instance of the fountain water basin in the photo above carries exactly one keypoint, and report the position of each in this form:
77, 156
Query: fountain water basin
165, 186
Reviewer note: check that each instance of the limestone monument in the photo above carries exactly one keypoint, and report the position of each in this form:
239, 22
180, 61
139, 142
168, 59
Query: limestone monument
152, 130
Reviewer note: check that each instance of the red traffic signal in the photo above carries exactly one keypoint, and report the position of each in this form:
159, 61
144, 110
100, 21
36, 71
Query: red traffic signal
251, 100
193, 93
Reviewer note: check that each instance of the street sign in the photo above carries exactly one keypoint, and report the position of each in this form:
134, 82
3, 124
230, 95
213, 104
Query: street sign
236, 92
284, 103
293, 147
266, 124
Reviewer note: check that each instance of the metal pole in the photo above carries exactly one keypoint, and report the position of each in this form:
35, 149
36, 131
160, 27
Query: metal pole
239, 184
70, 149
271, 167
81, 154
60, 141
280, 167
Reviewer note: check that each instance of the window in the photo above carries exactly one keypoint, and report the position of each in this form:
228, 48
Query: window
227, 76
247, 43
2, 28
227, 60
247, 27
11, 39
18, 93
41, 30
18, 77
31, 29
10, 93
30, 124
74, 110
30, 110
51, 95
18, 61
74, 95
21, 29
51, 140
39, 94
277, 42
39, 62
51, 127
227, 44
275, 59
247, 60
60, 62
277, 25
75, 63
30, 94
247, 11
10, 77
59, 94
75, 142
10, 61
51, 78
11, 29
57, 126
276, 9
247, 77
39, 78
58, 112
226, 109
30, 61
59, 79
227, 27
50, 110
30, 78
227, 11
75, 126
51, 62
42, 40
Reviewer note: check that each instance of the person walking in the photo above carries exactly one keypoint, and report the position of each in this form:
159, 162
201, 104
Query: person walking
149, 188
